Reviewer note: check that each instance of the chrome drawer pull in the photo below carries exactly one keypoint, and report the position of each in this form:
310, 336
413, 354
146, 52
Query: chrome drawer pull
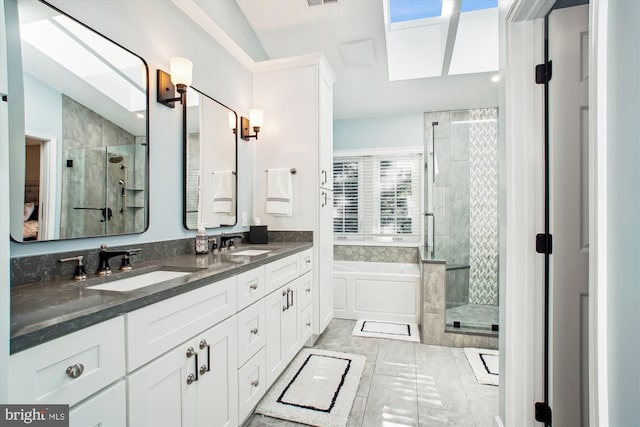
254, 331
308, 324
191, 378
76, 370
253, 286
255, 383
203, 369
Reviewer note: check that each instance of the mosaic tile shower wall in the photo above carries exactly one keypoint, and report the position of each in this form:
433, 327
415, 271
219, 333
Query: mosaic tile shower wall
483, 200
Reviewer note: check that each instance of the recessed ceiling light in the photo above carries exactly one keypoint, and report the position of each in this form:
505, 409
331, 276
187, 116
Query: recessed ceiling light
495, 78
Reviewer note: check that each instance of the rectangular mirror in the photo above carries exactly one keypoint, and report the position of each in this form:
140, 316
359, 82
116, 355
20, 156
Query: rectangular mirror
210, 194
81, 167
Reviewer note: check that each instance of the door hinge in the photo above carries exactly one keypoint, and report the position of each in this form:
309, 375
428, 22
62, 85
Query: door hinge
543, 73
543, 413
544, 243
5, 98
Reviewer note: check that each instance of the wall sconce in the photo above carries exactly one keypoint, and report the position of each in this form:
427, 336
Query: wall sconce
255, 120
179, 80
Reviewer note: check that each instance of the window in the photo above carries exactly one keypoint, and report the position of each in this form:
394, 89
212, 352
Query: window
377, 197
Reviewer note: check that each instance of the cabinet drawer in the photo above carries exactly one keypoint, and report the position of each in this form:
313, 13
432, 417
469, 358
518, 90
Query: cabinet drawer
251, 287
251, 331
107, 409
251, 384
306, 323
306, 261
282, 271
159, 327
96, 353
305, 290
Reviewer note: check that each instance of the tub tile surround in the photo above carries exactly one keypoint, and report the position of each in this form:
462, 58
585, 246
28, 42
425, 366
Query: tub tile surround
397, 254
433, 316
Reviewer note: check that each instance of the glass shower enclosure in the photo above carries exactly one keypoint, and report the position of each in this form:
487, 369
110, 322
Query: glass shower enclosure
461, 212
103, 191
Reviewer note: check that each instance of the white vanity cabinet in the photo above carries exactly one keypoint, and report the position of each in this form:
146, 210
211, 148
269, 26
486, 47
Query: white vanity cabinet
107, 409
195, 384
71, 368
296, 95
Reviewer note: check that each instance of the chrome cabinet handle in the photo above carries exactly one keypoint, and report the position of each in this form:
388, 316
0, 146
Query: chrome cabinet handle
191, 378
253, 286
191, 351
308, 324
204, 344
308, 290
254, 331
255, 383
203, 369
74, 371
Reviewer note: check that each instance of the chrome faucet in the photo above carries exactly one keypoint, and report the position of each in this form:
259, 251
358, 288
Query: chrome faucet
104, 255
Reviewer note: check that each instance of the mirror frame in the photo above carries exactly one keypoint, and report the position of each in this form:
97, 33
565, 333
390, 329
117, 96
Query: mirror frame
185, 142
147, 183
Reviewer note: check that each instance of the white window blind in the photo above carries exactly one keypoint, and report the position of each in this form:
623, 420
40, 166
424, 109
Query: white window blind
377, 197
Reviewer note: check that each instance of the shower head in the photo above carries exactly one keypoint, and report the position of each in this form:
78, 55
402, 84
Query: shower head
115, 158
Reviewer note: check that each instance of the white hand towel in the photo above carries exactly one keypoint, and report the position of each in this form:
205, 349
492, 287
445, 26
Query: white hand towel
222, 191
279, 192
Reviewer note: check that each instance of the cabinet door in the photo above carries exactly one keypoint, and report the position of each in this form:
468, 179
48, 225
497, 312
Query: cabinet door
290, 328
325, 129
306, 323
159, 394
275, 355
218, 375
323, 267
107, 409
251, 384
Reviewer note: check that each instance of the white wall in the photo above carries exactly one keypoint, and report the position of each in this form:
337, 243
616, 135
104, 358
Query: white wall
379, 132
620, 89
157, 30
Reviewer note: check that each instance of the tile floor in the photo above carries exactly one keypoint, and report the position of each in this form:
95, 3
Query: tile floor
407, 384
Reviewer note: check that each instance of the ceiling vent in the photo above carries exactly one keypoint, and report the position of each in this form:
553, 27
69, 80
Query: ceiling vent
320, 2
358, 54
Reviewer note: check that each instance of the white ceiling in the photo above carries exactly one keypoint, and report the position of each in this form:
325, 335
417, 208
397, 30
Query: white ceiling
292, 27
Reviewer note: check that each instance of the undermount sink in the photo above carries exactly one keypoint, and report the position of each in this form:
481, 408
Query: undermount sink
251, 252
140, 281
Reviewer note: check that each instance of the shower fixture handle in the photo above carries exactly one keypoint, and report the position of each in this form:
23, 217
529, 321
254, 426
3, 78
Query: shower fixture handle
80, 272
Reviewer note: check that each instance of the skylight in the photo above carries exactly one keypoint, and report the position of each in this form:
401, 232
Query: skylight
411, 10
471, 5
90, 57
432, 38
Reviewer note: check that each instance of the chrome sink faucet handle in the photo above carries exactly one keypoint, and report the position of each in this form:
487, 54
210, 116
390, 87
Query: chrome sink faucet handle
80, 272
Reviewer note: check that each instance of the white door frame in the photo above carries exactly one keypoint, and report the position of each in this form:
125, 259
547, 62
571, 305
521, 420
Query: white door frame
48, 183
524, 297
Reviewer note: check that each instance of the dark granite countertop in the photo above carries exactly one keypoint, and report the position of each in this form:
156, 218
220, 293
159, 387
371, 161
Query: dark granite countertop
45, 310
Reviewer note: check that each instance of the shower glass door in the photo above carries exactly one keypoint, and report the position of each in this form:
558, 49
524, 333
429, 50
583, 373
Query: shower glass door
461, 212
103, 191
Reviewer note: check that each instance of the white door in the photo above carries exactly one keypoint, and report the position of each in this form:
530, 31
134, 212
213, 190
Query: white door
569, 220
275, 355
159, 394
218, 375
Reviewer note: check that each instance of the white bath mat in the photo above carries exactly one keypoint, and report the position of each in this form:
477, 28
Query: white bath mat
318, 388
484, 364
390, 330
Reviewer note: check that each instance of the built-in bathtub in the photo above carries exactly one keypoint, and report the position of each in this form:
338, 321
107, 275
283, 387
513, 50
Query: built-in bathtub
376, 290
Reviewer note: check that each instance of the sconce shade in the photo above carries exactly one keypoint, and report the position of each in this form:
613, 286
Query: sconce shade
181, 71
232, 120
256, 117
